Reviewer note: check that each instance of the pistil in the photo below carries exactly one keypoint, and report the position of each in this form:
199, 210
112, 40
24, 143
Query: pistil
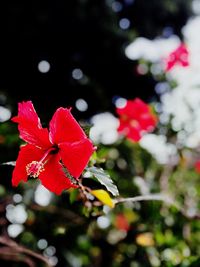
34, 168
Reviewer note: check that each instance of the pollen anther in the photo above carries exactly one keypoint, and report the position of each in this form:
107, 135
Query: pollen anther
34, 168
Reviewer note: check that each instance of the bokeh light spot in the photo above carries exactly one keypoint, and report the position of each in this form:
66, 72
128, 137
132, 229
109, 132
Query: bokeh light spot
81, 104
77, 74
44, 66
124, 23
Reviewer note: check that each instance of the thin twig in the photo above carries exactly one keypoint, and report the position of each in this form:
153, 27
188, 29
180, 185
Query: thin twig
9, 254
20, 249
157, 197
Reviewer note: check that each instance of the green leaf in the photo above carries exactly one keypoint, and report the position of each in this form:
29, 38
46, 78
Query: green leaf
73, 195
104, 179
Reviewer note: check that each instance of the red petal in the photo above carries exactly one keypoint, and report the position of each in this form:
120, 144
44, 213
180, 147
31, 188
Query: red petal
134, 134
75, 156
64, 128
123, 127
147, 122
133, 108
30, 127
180, 56
53, 177
170, 64
26, 155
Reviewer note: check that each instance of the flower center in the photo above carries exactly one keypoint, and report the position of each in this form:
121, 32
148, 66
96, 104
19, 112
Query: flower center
134, 123
34, 168
124, 117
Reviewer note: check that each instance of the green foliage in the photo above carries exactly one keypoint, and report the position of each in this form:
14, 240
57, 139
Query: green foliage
83, 232
104, 179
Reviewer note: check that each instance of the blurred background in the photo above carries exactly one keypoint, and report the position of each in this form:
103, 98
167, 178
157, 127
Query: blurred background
79, 54
58, 52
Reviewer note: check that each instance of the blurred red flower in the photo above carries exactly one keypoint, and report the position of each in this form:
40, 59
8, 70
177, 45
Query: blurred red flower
135, 118
178, 57
65, 145
197, 166
122, 223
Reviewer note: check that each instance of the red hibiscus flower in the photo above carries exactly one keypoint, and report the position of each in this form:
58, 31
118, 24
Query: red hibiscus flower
136, 118
178, 57
48, 153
